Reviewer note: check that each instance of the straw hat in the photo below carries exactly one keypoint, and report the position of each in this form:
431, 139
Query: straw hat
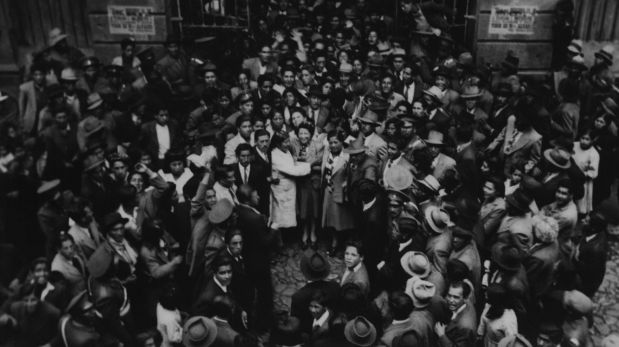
416, 264
55, 35
199, 331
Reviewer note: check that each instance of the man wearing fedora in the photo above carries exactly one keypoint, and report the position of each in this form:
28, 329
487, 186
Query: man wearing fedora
442, 164
438, 118
395, 157
315, 268
199, 331
97, 125
62, 147
436, 225
371, 140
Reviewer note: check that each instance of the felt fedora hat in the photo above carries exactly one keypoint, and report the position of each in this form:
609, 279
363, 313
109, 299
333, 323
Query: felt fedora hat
606, 54
431, 183
559, 158
199, 331
54, 36
46, 186
519, 200
470, 92
315, 266
506, 257
356, 147
416, 264
360, 332
111, 219
435, 138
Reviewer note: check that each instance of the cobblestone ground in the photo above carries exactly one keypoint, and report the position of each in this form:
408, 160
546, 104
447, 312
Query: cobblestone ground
287, 279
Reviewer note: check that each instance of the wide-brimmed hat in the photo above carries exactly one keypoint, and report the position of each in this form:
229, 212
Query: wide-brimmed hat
68, 74
90, 61
55, 91
421, 291
92, 125
94, 100
416, 264
46, 186
575, 46
393, 194
375, 61
54, 36
378, 104
519, 200
174, 155
559, 158
577, 302
434, 92
315, 266
431, 183
610, 106
92, 162
398, 178
470, 92
606, 53
434, 138
577, 63
360, 332
199, 331
356, 147
100, 261
384, 48
113, 218
221, 211
398, 52
514, 341
507, 257
408, 222
287, 331
437, 219
346, 68
370, 117
465, 233
315, 91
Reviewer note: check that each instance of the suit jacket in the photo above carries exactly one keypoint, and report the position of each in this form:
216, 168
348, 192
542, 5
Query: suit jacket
225, 334
202, 306
540, 267
256, 235
469, 255
86, 244
300, 300
441, 120
257, 178
461, 330
28, 107
417, 92
517, 284
360, 278
591, 262
394, 330
527, 147
148, 137
253, 65
402, 162
438, 249
444, 164
338, 175
469, 171
323, 116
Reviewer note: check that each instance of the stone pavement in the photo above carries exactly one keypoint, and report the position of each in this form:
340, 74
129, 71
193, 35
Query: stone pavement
287, 279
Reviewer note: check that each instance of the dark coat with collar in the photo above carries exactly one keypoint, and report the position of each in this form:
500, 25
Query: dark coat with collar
257, 178
148, 137
392, 275
591, 262
440, 122
225, 334
461, 331
468, 169
202, 306
540, 265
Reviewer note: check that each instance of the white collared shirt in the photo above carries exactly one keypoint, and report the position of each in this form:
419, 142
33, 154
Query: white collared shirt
223, 288
432, 114
163, 138
48, 288
403, 245
320, 321
262, 155
457, 312
367, 206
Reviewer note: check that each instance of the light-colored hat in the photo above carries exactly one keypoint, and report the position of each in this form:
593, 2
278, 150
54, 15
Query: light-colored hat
437, 219
558, 157
575, 46
416, 264
346, 68
360, 332
221, 211
370, 117
398, 52
420, 291
470, 92
435, 92
199, 331
431, 183
606, 53
55, 35
48, 185
68, 74
94, 100
398, 178
435, 138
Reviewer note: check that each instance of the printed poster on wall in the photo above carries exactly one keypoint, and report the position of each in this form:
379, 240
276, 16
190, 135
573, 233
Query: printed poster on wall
512, 20
131, 20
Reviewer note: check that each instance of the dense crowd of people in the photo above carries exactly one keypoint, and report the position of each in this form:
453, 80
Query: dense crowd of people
144, 200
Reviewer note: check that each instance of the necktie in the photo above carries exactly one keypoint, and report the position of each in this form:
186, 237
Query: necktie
245, 175
78, 265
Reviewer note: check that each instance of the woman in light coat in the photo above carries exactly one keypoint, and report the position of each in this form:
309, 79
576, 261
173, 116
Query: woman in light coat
588, 160
284, 193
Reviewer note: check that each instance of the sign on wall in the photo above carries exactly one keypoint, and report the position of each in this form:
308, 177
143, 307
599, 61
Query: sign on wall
512, 20
131, 20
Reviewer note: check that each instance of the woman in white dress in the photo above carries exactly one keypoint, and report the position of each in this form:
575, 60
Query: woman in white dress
588, 159
284, 193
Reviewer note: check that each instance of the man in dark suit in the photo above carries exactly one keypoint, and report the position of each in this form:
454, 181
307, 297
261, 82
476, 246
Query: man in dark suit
411, 86
247, 172
438, 118
373, 224
461, 329
257, 239
260, 65
391, 273
315, 267
466, 163
223, 310
160, 135
317, 113
591, 254
262, 160
265, 91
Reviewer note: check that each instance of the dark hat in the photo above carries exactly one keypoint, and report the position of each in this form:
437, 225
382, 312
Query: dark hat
199, 331
398, 195
221, 211
470, 92
378, 104
94, 100
113, 70
519, 200
92, 125
314, 266
441, 70
146, 55
55, 91
360, 332
406, 222
356, 147
315, 91
113, 218
406, 339
559, 158
610, 106
287, 332
376, 61
511, 62
91, 162
506, 257
504, 89
46, 186
462, 232
100, 261
416, 264
174, 155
